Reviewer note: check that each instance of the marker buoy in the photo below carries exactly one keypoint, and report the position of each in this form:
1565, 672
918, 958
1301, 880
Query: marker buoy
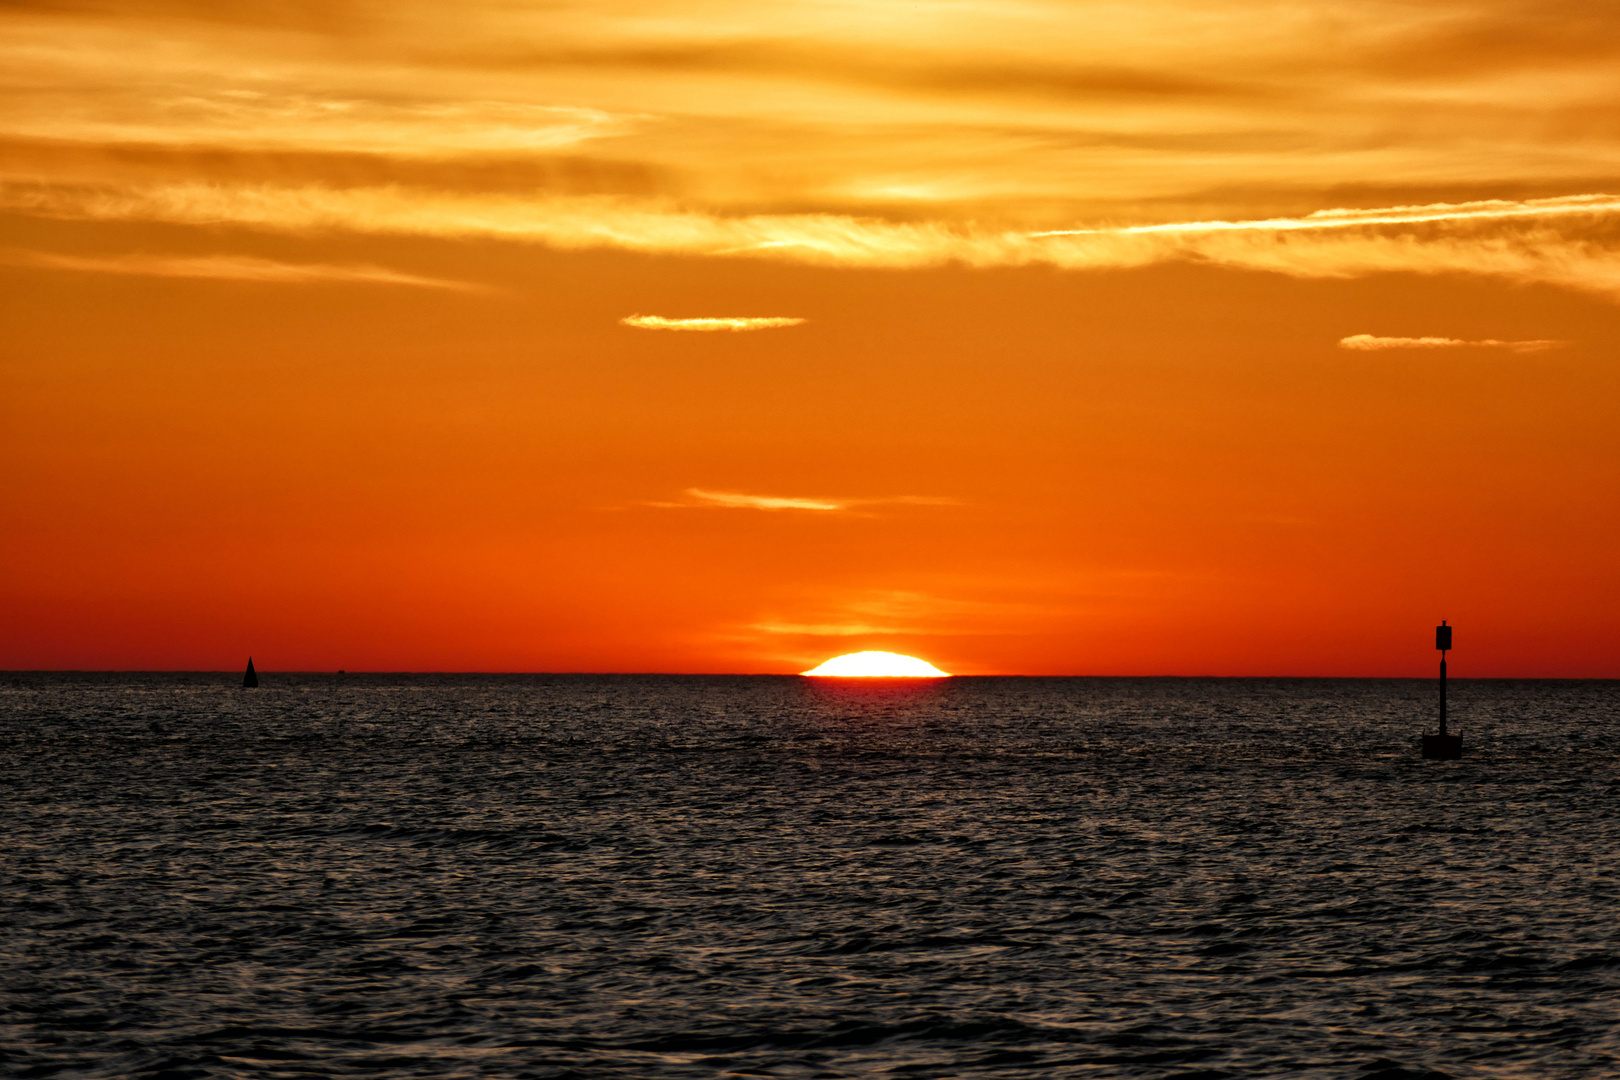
1444, 746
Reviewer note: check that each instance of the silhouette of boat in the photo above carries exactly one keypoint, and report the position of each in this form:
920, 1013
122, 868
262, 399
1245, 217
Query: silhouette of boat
250, 677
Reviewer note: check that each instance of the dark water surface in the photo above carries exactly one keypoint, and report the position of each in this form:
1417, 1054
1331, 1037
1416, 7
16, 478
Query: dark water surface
600, 876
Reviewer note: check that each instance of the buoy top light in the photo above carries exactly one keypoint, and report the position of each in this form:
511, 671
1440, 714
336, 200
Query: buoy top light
1442, 636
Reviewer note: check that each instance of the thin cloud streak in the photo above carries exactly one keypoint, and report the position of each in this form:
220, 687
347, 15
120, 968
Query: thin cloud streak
738, 501
232, 268
733, 500
1372, 343
832, 629
252, 120
1565, 241
912, 614
1483, 210
658, 322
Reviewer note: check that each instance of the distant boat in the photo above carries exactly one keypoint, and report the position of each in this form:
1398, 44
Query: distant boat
250, 677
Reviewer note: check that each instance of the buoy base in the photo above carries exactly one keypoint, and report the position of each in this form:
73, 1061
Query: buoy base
1442, 747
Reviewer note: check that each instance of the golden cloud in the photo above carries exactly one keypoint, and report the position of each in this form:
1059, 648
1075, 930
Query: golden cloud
841, 133
735, 501
232, 268
1373, 343
1563, 241
658, 322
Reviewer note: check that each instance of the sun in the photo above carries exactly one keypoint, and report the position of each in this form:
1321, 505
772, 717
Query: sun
878, 665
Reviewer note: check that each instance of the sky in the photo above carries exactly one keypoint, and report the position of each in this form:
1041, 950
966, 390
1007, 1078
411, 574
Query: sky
1023, 337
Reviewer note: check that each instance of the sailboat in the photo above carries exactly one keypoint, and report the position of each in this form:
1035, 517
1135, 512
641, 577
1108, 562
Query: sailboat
250, 677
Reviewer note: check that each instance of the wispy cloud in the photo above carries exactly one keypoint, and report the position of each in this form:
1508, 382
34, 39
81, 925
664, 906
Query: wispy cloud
658, 322
1058, 119
761, 502
1567, 241
1373, 343
856, 629
231, 268
1482, 210
700, 497
891, 612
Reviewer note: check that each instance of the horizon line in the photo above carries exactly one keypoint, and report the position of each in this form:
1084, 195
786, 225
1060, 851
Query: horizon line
237, 672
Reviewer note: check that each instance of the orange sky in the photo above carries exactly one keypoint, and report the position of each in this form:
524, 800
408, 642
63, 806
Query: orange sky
315, 345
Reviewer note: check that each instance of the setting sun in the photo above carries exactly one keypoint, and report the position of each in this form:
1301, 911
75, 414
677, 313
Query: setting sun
879, 665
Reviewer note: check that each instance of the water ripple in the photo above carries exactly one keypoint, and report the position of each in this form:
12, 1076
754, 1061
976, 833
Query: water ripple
635, 876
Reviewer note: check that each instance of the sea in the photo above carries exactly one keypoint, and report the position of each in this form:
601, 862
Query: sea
650, 876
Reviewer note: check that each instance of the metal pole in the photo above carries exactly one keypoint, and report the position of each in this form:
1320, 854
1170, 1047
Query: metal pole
1442, 693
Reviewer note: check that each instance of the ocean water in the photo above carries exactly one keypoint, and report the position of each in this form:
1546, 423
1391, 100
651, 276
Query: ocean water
438, 876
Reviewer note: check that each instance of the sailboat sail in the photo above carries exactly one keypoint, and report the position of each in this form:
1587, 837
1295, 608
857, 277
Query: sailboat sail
251, 678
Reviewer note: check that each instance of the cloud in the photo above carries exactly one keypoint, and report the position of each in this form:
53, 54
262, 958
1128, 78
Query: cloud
1372, 343
841, 134
831, 629
232, 268
1034, 114
1480, 210
761, 502
734, 500
1568, 241
257, 120
896, 612
658, 322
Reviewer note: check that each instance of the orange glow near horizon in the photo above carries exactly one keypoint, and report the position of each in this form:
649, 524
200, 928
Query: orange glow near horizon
876, 665
1033, 338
